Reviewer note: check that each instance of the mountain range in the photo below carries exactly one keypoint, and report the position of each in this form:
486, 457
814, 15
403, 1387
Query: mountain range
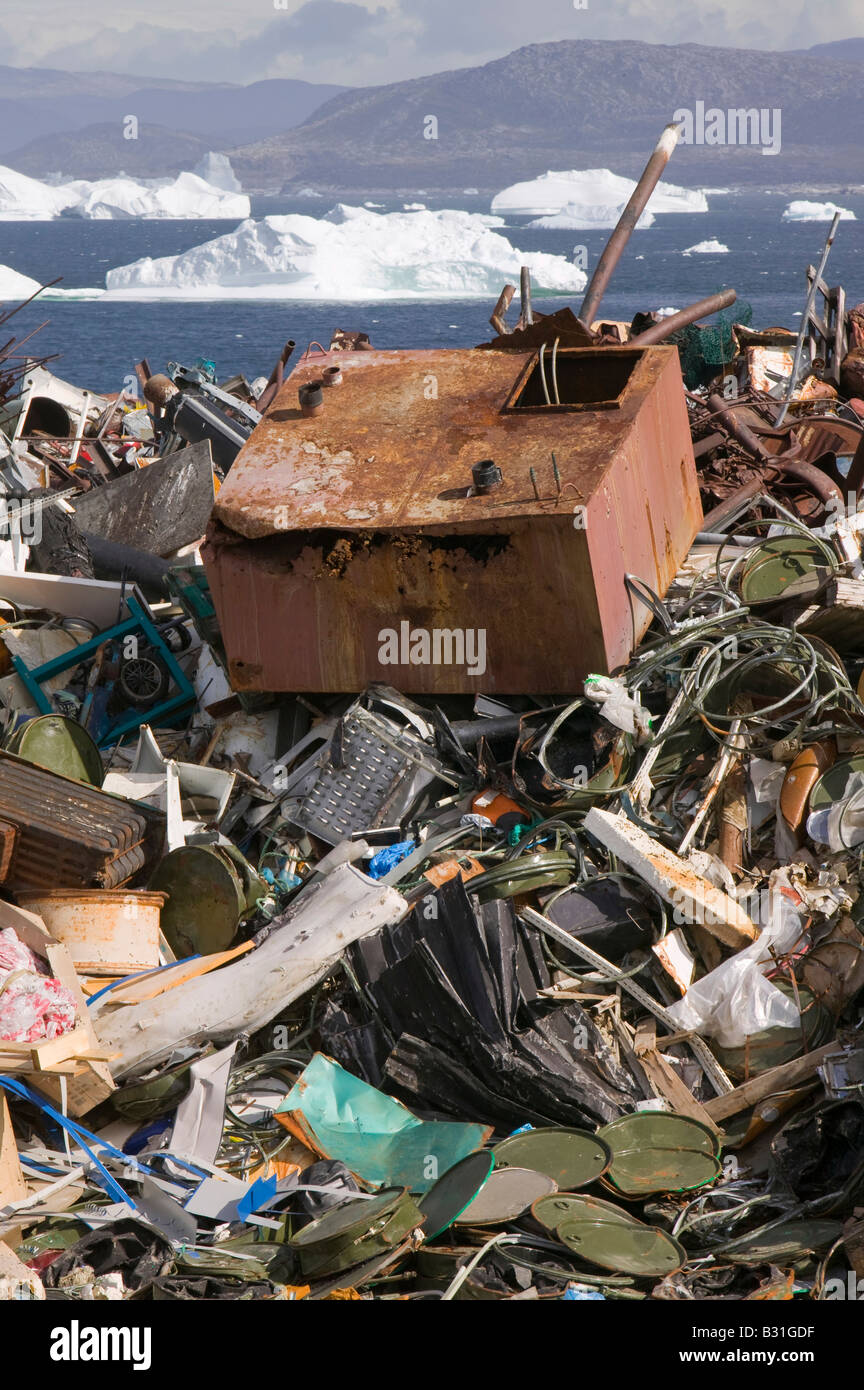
547, 106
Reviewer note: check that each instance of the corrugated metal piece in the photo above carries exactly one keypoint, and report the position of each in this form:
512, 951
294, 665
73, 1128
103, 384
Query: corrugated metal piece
333, 529
71, 835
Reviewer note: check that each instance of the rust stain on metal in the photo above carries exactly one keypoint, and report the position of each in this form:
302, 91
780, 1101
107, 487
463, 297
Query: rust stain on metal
329, 530
71, 833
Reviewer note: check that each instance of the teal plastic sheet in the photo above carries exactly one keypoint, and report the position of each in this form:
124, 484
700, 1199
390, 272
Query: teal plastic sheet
375, 1136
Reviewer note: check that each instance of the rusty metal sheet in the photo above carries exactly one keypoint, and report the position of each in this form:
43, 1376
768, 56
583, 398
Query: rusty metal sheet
396, 443
69, 834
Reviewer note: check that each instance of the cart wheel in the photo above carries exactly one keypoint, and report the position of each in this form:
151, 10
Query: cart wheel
143, 681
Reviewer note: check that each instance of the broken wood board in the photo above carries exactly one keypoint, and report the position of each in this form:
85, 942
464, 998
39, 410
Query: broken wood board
150, 986
13, 1188
28, 927
159, 508
45, 1054
769, 1083
93, 1084
695, 900
664, 1078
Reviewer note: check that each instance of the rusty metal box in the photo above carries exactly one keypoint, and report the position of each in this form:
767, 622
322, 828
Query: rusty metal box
352, 546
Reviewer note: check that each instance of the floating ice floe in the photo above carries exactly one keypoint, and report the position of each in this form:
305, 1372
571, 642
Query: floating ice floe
188, 196
590, 189
802, 211
16, 287
414, 207
579, 217
708, 248
350, 254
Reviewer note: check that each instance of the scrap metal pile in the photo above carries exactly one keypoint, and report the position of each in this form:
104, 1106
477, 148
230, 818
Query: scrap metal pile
440, 995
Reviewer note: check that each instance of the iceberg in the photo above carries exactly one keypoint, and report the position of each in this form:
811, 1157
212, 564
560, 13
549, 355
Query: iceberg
352, 253
708, 248
579, 217
188, 196
216, 170
23, 199
14, 285
803, 211
590, 189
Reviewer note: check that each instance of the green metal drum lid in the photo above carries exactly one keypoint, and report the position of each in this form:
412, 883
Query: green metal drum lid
455, 1190
61, 745
572, 1157
554, 1211
658, 1129
639, 1173
352, 1220
505, 1195
653, 1151
624, 1249
781, 562
832, 784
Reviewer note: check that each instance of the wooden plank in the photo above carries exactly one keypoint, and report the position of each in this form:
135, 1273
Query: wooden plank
48, 1051
664, 1078
94, 1083
150, 986
694, 898
13, 1188
668, 1084
761, 1087
27, 926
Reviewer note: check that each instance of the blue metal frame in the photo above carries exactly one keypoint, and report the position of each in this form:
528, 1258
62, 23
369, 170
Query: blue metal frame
137, 621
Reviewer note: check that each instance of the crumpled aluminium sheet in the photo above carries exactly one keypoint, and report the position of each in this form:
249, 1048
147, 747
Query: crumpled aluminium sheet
33, 1006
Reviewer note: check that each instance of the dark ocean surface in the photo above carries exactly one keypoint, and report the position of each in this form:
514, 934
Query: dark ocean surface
98, 343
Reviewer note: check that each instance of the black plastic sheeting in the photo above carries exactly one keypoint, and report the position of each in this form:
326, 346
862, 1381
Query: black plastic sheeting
822, 1151
451, 1020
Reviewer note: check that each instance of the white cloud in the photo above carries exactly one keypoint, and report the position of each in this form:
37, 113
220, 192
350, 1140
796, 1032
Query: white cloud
223, 40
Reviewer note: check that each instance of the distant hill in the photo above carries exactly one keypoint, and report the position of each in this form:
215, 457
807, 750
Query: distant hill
566, 105
43, 110
100, 151
843, 51
548, 106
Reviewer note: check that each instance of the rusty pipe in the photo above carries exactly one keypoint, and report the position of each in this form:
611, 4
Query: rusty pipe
743, 433
666, 327
614, 248
812, 477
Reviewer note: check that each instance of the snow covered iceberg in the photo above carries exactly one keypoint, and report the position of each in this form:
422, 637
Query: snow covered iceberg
187, 196
14, 285
350, 254
23, 199
802, 211
581, 217
216, 170
594, 192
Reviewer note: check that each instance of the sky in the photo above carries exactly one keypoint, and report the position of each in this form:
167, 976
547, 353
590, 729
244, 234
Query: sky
365, 42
